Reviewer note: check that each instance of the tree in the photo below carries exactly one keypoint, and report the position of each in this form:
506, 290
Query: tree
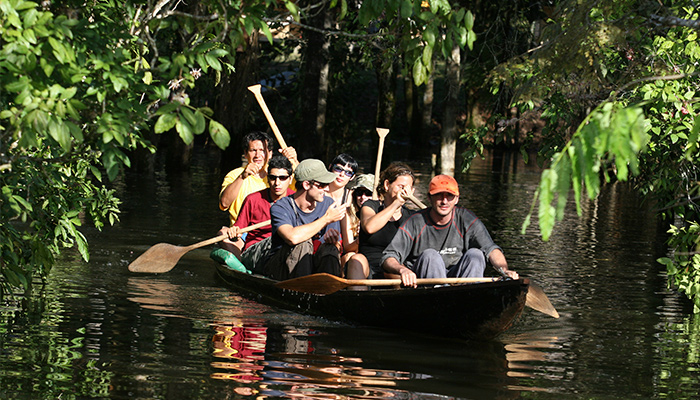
625, 72
81, 85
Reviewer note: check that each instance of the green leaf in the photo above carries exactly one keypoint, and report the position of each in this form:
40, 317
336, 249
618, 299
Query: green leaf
419, 73
469, 20
219, 134
59, 132
165, 123
200, 123
184, 128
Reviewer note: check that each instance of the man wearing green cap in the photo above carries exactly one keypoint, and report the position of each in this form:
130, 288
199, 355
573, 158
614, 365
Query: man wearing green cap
301, 219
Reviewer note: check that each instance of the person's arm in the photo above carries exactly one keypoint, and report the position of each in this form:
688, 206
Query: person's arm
350, 242
373, 221
393, 266
294, 235
498, 260
229, 194
291, 155
396, 252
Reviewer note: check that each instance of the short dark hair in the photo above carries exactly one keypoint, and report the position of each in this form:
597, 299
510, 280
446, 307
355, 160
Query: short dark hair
279, 161
344, 159
256, 135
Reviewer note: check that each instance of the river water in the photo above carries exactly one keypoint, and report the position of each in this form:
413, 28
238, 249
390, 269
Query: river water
95, 330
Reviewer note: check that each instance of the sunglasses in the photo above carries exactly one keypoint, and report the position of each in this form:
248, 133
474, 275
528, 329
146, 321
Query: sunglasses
320, 185
338, 169
271, 178
362, 192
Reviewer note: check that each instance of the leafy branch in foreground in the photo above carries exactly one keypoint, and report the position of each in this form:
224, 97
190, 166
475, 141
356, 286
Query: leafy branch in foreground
606, 142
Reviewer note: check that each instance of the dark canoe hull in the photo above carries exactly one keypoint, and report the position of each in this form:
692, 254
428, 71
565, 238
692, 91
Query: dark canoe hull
481, 310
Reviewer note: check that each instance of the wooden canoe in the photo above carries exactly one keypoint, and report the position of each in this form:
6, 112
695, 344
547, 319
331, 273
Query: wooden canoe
474, 311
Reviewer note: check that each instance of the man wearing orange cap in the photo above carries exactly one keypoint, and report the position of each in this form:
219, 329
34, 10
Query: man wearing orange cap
444, 240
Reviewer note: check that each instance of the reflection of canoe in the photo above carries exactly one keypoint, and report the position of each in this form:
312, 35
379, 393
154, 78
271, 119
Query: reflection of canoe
481, 310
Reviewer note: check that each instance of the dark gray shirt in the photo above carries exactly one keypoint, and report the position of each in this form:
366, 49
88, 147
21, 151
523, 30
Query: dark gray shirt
452, 240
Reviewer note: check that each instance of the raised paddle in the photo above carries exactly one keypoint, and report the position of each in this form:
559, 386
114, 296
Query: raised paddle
326, 283
162, 257
258, 96
415, 201
382, 132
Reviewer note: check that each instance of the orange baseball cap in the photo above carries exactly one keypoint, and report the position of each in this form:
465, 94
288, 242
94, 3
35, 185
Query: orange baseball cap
443, 183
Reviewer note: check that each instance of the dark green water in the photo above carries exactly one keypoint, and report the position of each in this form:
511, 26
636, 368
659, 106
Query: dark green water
98, 331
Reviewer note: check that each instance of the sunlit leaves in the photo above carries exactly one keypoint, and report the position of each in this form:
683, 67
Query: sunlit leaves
684, 268
606, 144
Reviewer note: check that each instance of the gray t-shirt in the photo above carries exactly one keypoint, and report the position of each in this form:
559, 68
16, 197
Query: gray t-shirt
452, 240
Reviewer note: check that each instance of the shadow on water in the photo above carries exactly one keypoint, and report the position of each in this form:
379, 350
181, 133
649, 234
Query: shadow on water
97, 331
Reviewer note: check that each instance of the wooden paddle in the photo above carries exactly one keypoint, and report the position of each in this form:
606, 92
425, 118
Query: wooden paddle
258, 96
382, 132
326, 283
537, 300
416, 201
162, 257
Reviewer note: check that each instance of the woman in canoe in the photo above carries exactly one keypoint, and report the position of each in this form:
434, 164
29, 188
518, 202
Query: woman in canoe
345, 167
380, 219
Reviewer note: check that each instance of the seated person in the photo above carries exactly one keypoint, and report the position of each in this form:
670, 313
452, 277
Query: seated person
444, 240
380, 219
345, 167
299, 219
255, 209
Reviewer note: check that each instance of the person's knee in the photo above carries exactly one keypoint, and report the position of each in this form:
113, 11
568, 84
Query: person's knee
431, 254
476, 255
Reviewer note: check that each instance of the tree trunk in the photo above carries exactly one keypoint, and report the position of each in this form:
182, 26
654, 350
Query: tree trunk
386, 103
426, 125
448, 143
315, 87
235, 103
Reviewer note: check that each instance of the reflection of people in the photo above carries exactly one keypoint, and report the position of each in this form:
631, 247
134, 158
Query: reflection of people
379, 221
250, 178
255, 209
299, 219
444, 240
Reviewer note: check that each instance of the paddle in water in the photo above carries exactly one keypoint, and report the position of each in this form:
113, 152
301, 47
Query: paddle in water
162, 257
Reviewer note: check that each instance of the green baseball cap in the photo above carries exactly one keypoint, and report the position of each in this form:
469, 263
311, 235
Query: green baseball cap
313, 170
362, 181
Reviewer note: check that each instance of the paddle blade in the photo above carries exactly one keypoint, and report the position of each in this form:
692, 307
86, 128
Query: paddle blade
537, 300
160, 258
316, 284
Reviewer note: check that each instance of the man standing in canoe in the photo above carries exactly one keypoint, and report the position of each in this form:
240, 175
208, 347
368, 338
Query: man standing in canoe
444, 240
299, 220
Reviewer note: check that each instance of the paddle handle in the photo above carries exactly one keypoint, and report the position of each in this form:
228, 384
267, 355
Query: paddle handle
420, 281
258, 96
415, 201
224, 236
382, 132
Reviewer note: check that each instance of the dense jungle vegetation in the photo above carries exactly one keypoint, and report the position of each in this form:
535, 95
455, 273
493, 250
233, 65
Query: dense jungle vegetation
603, 91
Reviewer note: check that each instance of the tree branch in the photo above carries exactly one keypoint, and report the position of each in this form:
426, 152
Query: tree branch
675, 21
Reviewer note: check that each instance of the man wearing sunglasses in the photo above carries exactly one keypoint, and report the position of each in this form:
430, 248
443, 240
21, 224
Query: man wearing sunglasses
444, 240
303, 219
255, 209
